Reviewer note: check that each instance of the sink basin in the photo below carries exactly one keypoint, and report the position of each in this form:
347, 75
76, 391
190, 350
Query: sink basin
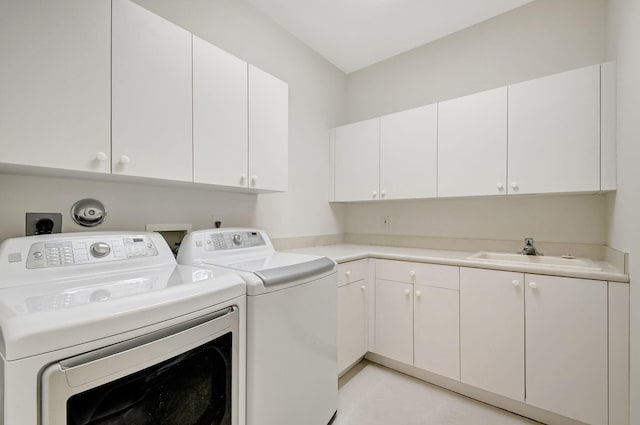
564, 262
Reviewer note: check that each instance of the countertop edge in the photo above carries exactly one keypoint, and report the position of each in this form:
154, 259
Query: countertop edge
385, 253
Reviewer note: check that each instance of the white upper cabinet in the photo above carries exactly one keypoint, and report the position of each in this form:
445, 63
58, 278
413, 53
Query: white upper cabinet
358, 161
472, 144
268, 131
608, 125
554, 133
152, 119
55, 84
220, 129
408, 153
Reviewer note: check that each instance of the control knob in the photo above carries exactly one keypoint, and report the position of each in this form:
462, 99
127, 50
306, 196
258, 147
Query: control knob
100, 249
237, 239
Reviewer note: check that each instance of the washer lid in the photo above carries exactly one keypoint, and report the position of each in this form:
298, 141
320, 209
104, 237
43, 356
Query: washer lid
39, 318
295, 272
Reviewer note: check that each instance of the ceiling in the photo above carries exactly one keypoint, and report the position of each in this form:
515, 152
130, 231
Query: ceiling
353, 34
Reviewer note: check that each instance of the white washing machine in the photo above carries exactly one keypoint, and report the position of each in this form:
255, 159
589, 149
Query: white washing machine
291, 324
106, 328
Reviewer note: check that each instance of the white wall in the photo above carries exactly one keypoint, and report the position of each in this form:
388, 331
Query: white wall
624, 206
317, 101
540, 38
562, 219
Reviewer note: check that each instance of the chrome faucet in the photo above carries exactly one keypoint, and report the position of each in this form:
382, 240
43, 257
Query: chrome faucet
529, 248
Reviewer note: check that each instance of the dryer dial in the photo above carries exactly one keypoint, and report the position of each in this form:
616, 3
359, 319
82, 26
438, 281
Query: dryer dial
100, 249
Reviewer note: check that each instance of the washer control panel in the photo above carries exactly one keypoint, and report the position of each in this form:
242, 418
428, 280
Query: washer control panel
230, 240
87, 251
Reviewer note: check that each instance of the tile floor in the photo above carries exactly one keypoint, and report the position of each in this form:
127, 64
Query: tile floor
370, 394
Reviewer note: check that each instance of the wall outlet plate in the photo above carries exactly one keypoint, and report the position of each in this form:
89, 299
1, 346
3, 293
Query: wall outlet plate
37, 223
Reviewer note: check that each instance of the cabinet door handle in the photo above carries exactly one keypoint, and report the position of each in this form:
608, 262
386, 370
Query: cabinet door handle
533, 285
515, 283
514, 185
363, 287
101, 156
243, 179
254, 180
500, 186
124, 159
418, 293
407, 292
412, 274
382, 193
374, 194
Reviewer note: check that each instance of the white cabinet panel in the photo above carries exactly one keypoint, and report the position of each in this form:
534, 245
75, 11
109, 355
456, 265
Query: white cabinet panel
220, 128
408, 153
608, 125
353, 311
618, 353
472, 144
554, 133
55, 84
420, 273
353, 271
268, 131
394, 320
358, 161
436, 330
152, 116
492, 331
566, 355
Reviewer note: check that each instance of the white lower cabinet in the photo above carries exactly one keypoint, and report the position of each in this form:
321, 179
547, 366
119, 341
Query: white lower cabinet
353, 312
394, 320
417, 315
492, 331
566, 350
436, 337
562, 359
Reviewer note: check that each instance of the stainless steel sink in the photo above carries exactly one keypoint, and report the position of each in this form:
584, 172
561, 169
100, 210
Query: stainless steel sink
548, 261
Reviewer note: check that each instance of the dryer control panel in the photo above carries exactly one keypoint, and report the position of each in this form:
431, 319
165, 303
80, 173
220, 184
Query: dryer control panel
230, 240
91, 250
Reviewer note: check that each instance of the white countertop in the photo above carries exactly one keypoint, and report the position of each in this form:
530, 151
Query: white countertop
348, 252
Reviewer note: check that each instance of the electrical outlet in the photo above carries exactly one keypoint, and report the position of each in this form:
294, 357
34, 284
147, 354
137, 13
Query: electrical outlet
42, 223
386, 221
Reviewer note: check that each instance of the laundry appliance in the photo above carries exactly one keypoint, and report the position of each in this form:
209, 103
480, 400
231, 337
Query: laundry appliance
291, 324
105, 328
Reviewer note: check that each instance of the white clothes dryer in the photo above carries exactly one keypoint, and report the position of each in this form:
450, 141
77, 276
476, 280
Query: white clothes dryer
291, 324
106, 328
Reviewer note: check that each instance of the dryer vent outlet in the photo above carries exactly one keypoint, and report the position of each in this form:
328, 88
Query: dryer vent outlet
42, 223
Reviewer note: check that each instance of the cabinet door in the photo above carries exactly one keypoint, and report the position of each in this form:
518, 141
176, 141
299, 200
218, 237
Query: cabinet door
472, 144
436, 330
220, 127
268, 131
554, 133
358, 161
55, 84
353, 300
566, 328
394, 320
408, 153
492, 331
151, 95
